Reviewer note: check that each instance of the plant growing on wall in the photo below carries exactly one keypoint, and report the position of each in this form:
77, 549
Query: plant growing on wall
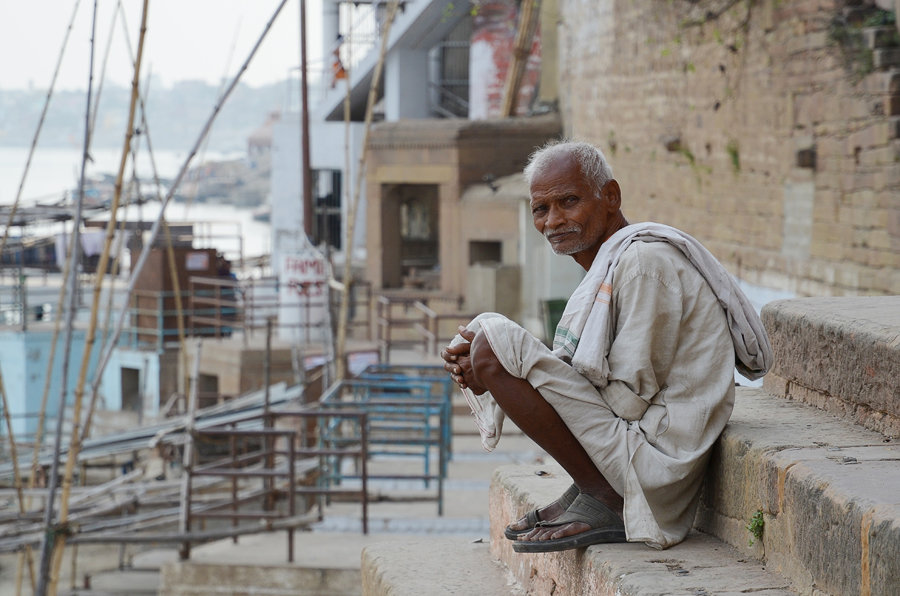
734, 154
850, 39
756, 526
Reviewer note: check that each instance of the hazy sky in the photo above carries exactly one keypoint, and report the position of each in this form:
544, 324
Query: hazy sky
186, 39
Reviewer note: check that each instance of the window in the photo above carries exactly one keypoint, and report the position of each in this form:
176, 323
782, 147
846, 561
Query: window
484, 251
327, 208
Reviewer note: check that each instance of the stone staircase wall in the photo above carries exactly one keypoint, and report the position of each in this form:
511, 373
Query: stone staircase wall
824, 488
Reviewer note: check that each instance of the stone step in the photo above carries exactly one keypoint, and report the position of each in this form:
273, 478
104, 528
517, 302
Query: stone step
701, 565
841, 355
828, 490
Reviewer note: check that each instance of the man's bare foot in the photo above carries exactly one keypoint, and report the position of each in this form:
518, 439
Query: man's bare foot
571, 529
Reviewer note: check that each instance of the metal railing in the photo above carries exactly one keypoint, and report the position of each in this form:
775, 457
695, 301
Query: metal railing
416, 320
407, 418
278, 458
222, 307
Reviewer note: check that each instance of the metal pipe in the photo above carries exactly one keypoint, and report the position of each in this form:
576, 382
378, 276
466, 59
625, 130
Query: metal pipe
306, 170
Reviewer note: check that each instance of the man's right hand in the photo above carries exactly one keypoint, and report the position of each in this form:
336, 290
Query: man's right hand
457, 360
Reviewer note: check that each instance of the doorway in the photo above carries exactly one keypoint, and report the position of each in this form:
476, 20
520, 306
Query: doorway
410, 238
131, 390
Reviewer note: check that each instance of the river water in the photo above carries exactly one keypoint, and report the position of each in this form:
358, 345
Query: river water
54, 171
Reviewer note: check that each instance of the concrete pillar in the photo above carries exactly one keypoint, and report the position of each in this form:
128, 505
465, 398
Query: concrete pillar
409, 100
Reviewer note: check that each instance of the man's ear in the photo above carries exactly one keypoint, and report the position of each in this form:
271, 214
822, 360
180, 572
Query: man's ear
613, 195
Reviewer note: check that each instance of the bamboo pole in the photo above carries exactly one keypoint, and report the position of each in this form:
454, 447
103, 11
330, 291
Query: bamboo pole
528, 20
112, 26
75, 441
50, 532
360, 173
154, 231
96, 103
187, 459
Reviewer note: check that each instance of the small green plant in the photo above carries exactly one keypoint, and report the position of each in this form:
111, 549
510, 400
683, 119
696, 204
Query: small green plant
734, 154
687, 154
756, 526
880, 18
858, 58
611, 141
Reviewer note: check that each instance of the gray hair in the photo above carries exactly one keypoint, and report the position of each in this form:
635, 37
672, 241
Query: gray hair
591, 161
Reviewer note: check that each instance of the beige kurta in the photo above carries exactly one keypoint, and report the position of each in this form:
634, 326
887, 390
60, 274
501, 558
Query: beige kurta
669, 394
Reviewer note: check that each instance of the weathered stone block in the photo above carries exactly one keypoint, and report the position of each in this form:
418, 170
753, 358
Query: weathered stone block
846, 349
885, 58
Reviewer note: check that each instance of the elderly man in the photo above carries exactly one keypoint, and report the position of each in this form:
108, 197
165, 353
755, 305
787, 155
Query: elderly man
640, 382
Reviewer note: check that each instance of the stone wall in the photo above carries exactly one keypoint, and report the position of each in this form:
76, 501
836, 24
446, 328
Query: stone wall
751, 125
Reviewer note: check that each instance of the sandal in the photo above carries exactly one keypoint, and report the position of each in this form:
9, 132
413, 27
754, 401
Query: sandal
605, 525
533, 518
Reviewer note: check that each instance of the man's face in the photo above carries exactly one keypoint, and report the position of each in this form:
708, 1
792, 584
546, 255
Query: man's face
567, 212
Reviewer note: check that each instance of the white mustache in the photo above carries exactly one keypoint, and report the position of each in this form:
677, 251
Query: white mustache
573, 228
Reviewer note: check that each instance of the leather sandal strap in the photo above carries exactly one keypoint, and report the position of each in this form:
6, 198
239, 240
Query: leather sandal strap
588, 510
566, 499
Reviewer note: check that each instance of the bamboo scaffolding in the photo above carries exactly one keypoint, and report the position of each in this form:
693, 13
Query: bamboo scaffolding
17, 478
26, 556
74, 446
119, 12
59, 542
154, 231
354, 205
62, 291
71, 283
94, 524
173, 270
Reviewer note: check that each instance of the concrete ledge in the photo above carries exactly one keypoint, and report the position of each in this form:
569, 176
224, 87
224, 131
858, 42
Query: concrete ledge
434, 566
190, 578
702, 565
841, 355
